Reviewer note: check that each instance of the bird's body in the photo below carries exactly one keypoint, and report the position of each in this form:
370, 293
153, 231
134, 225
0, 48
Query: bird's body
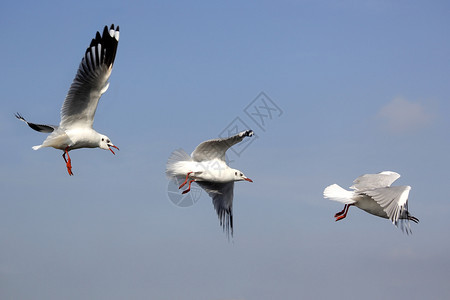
374, 194
71, 139
207, 167
75, 130
214, 170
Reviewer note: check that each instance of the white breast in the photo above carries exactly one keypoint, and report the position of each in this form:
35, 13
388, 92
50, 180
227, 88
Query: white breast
83, 138
215, 170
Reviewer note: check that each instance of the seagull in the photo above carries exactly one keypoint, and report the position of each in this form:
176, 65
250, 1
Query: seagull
207, 167
77, 113
373, 193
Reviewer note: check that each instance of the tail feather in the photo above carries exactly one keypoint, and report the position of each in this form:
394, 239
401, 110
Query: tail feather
37, 147
175, 163
336, 193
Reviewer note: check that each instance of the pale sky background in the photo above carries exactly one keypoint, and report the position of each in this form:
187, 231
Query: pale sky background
363, 87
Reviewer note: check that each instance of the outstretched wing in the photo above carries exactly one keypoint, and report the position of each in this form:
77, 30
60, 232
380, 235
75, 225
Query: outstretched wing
374, 181
393, 200
38, 127
222, 197
91, 80
216, 148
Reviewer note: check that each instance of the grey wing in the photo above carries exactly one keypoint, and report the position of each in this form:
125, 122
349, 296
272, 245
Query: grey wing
393, 200
373, 181
38, 127
91, 80
222, 197
216, 148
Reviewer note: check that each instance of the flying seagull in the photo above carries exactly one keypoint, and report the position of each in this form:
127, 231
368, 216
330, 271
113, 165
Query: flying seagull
77, 113
374, 194
207, 167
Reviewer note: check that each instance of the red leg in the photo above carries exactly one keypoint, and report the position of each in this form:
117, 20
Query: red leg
340, 217
68, 161
341, 212
189, 188
185, 181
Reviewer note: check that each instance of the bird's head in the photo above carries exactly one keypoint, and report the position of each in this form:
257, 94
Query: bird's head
239, 176
105, 143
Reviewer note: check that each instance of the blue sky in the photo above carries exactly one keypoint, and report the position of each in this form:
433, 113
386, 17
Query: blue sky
363, 86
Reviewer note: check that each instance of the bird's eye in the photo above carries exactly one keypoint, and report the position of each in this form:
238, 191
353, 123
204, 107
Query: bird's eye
242, 174
103, 139
108, 141
235, 173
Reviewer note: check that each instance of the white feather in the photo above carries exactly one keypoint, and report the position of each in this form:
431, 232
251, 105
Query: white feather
404, 197
336, 193
105, 88
178, 164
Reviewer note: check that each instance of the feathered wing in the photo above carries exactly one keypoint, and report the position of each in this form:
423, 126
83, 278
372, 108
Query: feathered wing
91, 80
216, 148
374, 181
222, 197
393, 200
38, 127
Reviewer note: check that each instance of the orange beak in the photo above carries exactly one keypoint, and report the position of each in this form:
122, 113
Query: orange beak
248, 179
113, 147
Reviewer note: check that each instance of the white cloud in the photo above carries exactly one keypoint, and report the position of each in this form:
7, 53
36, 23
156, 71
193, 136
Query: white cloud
401, 115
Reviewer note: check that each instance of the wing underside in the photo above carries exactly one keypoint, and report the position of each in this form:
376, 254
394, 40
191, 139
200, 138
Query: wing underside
222, 197
393, 200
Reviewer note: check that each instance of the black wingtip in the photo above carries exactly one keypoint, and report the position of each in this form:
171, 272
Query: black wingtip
105, 31
226, 221
19, 116
94, 41
414, 219
231, 224
109, 48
